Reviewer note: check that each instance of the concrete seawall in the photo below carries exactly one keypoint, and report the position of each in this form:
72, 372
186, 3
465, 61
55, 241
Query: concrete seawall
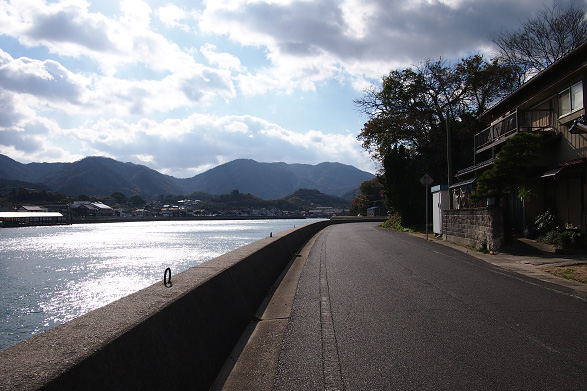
174, 337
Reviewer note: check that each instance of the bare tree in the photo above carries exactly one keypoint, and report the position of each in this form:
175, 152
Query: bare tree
543, 39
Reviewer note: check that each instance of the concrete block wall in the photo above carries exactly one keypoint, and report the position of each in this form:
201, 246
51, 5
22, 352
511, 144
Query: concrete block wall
171, 338
474, 227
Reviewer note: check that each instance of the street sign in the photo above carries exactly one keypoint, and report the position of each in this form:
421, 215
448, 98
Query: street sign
426, 180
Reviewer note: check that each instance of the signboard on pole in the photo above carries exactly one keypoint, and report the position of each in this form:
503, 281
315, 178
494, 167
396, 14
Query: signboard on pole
426, 180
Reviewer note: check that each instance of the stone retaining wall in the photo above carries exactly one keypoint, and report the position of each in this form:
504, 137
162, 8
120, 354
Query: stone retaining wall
474, 227
168, 338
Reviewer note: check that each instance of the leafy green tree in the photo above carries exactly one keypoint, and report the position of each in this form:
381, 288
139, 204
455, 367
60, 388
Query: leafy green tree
119, 197
408, 117
510, 167
136, 201
404, 192
371, 195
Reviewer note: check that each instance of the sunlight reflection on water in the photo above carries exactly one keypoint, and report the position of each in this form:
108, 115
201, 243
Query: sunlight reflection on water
50, 275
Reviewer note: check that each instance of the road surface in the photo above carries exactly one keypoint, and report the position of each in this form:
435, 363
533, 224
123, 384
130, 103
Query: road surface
374, 309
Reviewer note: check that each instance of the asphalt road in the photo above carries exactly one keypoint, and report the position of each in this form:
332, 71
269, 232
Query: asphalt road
379, 310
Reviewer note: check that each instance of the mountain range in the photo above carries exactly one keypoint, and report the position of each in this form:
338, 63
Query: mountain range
100, 176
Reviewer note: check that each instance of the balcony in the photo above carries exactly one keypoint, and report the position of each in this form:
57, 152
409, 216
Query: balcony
518, 121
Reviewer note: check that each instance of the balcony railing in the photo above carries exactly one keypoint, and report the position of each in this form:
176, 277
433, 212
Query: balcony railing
518, 121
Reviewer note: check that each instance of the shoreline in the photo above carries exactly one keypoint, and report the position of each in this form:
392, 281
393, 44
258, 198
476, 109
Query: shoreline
188, 218
98, 220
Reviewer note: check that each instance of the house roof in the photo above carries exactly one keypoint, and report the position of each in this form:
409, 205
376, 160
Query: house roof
564, 70
33, 208
13, 215
100, 205
464, 184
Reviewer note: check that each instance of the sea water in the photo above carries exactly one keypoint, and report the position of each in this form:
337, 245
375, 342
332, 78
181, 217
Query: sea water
50, 275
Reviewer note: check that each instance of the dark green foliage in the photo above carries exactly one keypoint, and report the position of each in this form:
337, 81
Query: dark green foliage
119, 197
303, 199
98, 176
371, 195
400, 180
510, 167
546, 222
26, 196
407, 127
136, 201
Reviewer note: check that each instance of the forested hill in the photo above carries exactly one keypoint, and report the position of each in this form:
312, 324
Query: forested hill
276, 180
100, 176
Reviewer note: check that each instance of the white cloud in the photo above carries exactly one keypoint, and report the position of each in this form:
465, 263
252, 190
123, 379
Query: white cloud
163, 83
191, 85
173, 17
306, 41
67, 28
28, 85
357, 15
184, 147
44, 79
222, 60
136, 14
64, 27
237, 126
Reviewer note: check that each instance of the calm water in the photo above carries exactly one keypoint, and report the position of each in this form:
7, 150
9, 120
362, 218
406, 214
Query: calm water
49, 275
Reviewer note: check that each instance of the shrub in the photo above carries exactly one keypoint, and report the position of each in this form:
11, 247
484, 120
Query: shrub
551, 237
566, 239
395, 222
546, 222
563, 240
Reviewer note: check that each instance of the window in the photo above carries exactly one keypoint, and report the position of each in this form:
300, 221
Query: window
571, 99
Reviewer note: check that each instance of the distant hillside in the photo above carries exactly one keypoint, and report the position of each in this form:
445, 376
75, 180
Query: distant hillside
9, 184
92, 176
302, 199
276, 180
313, 198
100, 176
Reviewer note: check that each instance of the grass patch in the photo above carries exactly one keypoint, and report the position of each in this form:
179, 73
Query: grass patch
395, 222
573, 272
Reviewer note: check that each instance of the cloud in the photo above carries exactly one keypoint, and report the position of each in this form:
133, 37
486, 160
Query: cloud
67, 28
192, 85
222, 60
136, 14
169, 85
174, 17
185, 147
9, 115
308, 41
46, 79
69, 24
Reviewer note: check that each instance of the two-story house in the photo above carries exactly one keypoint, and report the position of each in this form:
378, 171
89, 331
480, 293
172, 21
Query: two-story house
551, 104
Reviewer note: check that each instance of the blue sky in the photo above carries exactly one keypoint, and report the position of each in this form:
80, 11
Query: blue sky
183, 86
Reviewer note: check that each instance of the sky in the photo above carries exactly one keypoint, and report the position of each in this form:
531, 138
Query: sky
183, 86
